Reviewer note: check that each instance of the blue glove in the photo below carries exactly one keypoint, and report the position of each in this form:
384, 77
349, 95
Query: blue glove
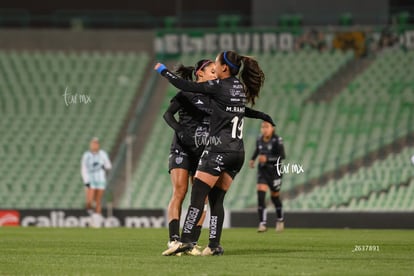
161, 68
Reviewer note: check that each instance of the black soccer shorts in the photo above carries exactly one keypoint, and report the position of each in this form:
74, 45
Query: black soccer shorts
181, 160
215, 163
268, 175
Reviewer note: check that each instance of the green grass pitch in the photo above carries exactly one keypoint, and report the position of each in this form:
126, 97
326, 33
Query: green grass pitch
122, 251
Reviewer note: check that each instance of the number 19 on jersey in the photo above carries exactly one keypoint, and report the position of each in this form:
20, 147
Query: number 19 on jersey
237, 129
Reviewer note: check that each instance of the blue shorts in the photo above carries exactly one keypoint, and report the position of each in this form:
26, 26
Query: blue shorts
98, 185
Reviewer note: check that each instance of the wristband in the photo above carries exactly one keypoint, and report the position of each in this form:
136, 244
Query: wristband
161, 68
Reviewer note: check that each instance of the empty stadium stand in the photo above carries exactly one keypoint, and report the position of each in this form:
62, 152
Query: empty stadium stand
44, 133
378, 187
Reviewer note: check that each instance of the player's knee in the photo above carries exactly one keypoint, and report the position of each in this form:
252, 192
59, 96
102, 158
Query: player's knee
199, 192
216, 195
276, 194
179, 194
276, 200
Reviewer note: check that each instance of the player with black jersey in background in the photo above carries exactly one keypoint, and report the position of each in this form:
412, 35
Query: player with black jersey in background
190, 137
223, 159
270, 152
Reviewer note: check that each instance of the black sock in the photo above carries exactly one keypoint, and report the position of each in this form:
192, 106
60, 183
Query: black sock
174, 230
199, 193
216, 198
197, 233
261, 208
278, 205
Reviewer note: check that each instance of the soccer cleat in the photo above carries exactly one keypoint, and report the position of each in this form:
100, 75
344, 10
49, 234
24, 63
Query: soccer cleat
217, 251
262, 228
172, 246
96, 220
184, 247
195, 251
280, 226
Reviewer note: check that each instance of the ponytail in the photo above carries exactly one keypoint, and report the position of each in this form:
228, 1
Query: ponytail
185, 72
251, 74
253, 78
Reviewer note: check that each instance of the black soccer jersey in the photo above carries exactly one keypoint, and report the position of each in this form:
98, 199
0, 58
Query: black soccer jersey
272, 149
193, 122
227, 104
191, 115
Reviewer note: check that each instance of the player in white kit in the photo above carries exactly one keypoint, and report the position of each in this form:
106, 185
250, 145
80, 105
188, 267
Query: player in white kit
94, 165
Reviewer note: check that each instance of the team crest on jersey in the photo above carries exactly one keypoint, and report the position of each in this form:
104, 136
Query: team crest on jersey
179, 160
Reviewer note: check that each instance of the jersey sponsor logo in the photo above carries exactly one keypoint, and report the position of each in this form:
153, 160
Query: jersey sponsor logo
199, 102
234, 92
237, 93
9, 218
235, 99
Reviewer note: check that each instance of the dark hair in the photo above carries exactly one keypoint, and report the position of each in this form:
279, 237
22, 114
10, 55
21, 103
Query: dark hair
251, 74
187, 72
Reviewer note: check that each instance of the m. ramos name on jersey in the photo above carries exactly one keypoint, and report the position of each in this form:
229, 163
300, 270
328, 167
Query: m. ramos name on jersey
235, 109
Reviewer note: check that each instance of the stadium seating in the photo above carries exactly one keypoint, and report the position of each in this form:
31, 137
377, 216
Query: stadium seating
44, 136
395, 199
354, 190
